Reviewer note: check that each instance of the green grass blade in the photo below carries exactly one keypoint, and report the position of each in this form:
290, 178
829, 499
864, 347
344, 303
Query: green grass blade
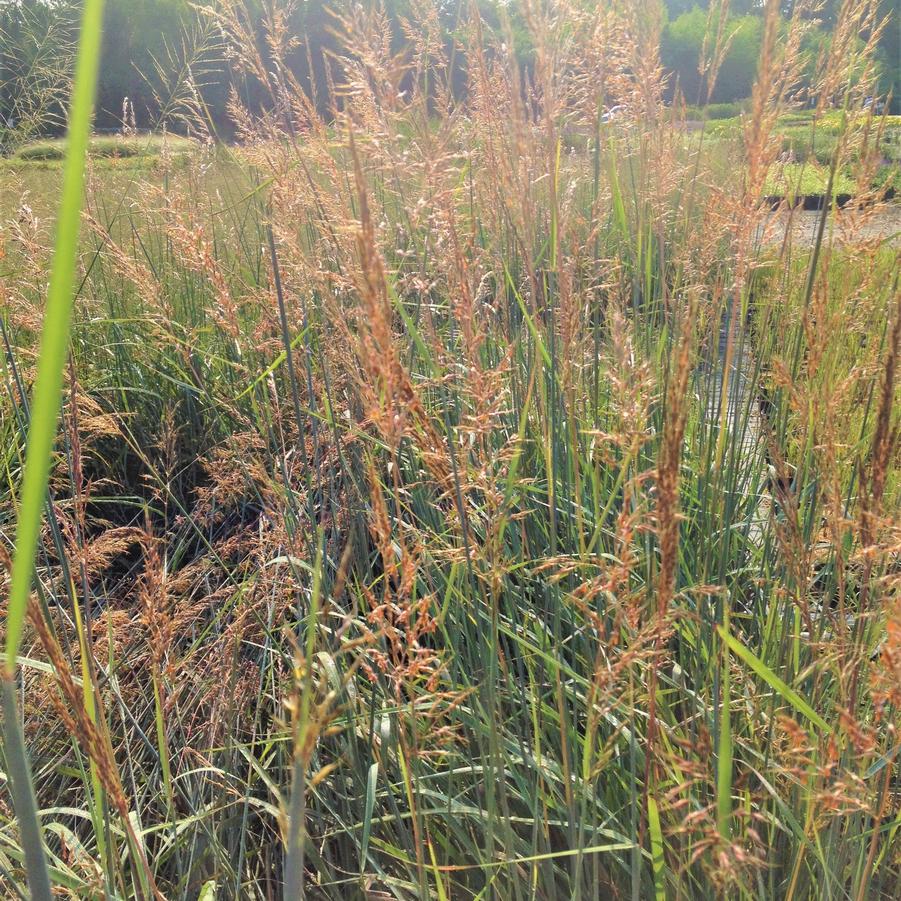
42, 430
22, 791
724, 755
371, 781
55, 333
768, 676
657, 859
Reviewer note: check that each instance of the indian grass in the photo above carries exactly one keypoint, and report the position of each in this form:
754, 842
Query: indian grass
456, 515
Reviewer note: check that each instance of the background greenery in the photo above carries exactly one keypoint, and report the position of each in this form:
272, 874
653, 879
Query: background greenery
145, 41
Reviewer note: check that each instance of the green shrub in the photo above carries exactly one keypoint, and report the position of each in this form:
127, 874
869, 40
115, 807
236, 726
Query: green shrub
888, 178
725, 110
801, 179
106, 147
43, 151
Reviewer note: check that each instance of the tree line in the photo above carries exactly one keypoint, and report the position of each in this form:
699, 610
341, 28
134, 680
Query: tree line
159, 54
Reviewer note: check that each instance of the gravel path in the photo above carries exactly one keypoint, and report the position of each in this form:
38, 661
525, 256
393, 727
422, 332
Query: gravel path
851, 228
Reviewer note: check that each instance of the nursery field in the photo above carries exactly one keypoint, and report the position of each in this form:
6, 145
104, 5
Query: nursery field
439, 510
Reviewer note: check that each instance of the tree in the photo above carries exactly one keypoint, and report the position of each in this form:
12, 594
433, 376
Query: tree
137, 34
890, 53
681, 46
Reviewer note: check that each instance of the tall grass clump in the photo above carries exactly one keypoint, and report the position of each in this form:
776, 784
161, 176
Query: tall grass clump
467, 493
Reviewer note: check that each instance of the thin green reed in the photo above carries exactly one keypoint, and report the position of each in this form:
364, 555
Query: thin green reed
42, 432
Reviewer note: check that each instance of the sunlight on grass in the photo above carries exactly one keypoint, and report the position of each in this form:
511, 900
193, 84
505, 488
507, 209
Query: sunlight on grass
469, 485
